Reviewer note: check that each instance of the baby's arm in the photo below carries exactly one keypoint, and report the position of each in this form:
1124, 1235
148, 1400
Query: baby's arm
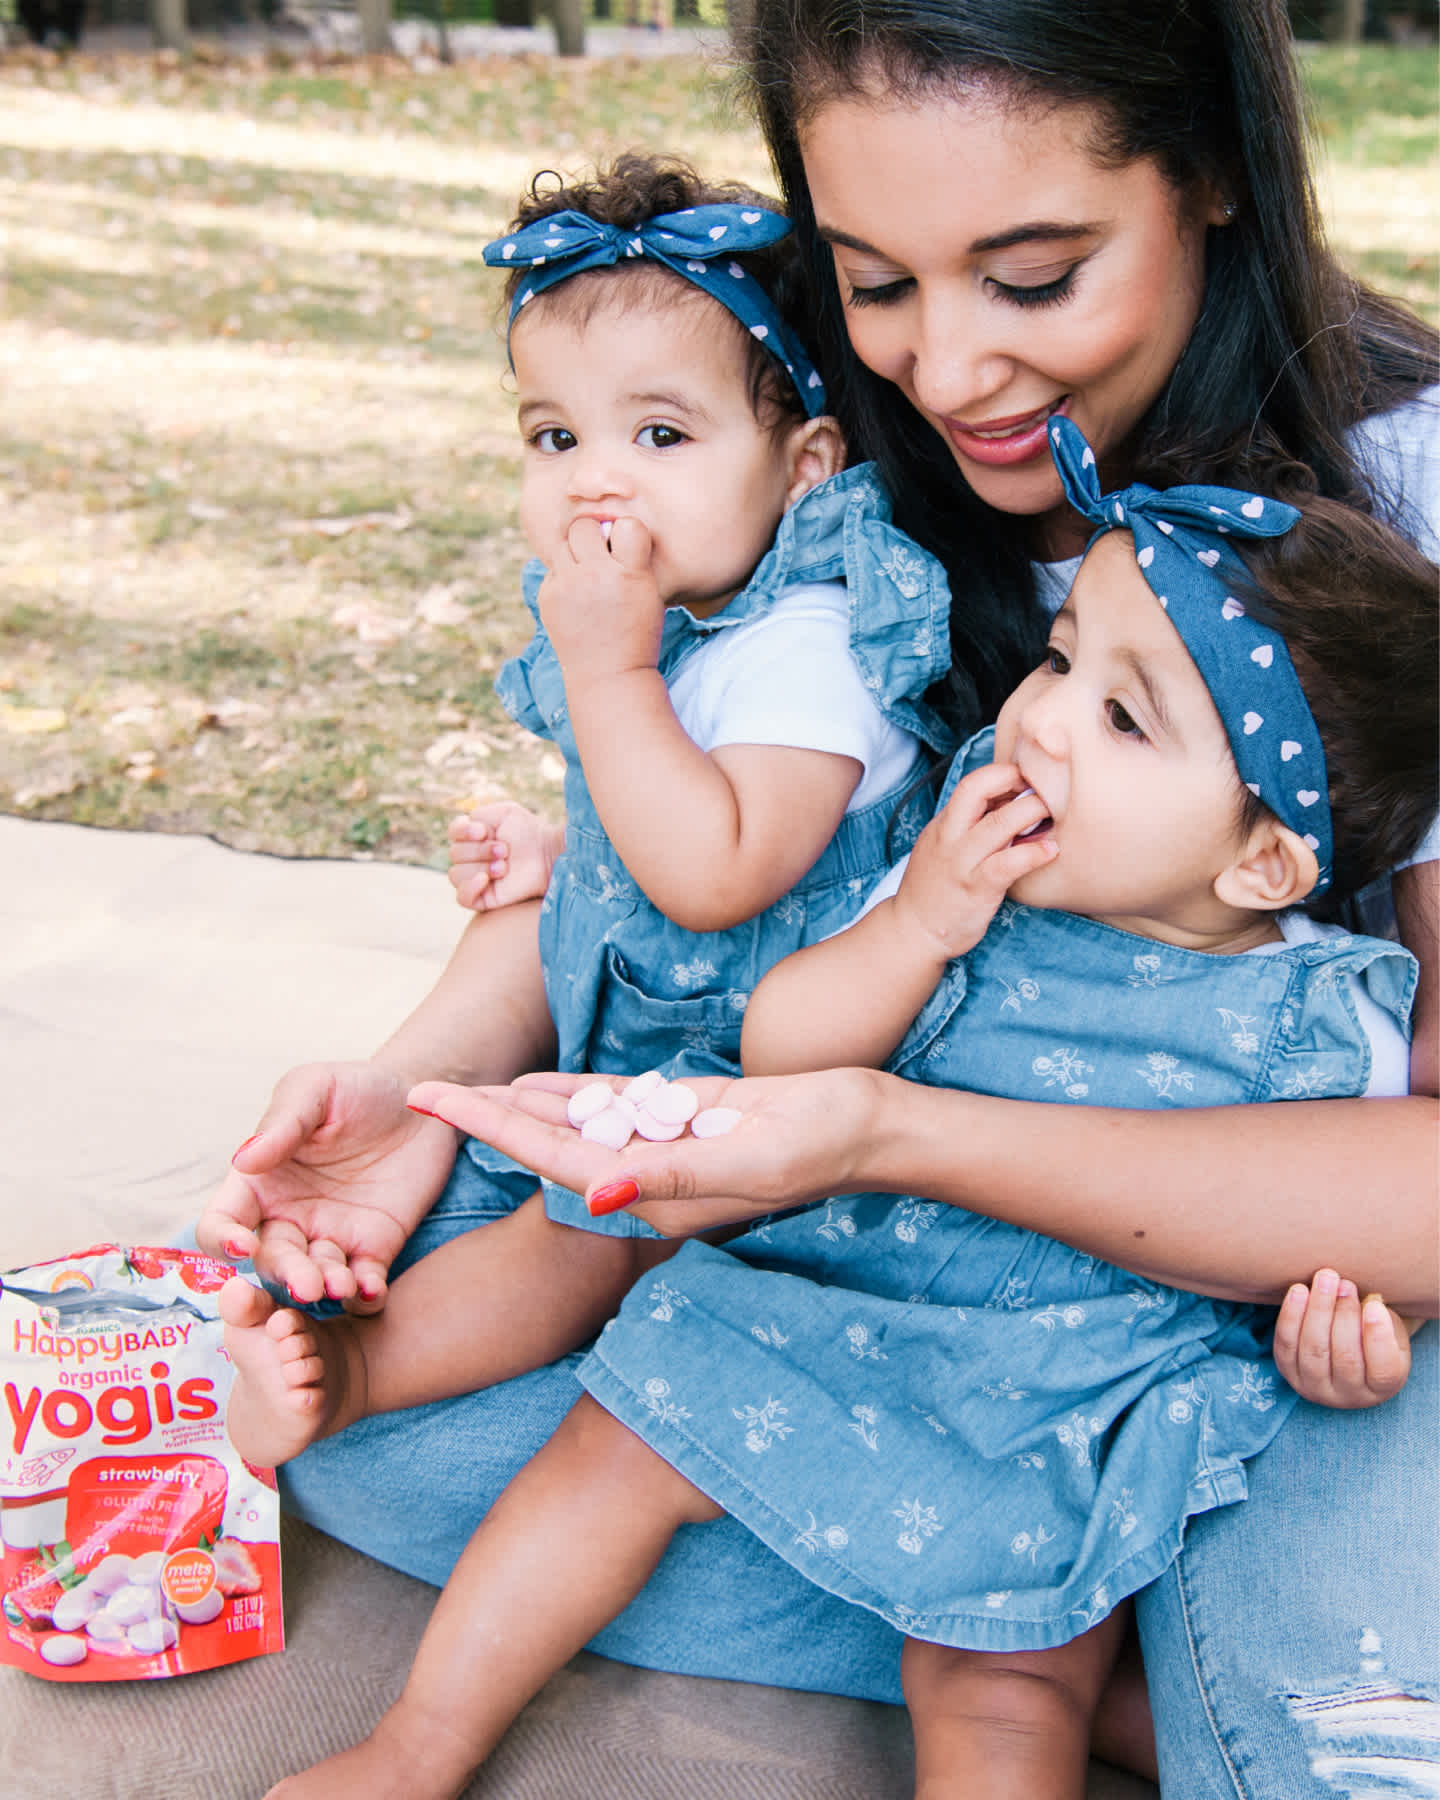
712, 837
502, 853
849, 1001
1336, 1350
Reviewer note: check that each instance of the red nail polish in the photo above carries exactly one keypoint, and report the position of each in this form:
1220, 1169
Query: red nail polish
425, 1110
246, 1145
612, 1197
238, 1251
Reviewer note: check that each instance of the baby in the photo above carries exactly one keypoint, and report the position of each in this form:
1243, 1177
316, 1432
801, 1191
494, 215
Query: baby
987, 1437
731, 650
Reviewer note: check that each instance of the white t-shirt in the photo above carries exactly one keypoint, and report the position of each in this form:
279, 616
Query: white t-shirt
1400, 453
787, 677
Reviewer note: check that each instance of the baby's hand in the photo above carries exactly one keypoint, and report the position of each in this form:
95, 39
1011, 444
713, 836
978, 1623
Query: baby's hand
1337, 1352
500, 854
969, 855
601, 603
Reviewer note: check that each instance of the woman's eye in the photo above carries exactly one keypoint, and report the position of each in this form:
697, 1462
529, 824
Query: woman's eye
1048, 293
551, 439
1121, 720
1057, 662
659, 437
886, 294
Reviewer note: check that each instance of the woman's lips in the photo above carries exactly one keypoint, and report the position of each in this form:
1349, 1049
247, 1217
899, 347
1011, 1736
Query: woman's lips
999, 443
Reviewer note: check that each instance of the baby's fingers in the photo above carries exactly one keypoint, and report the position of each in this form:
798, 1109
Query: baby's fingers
1303, 1337
1386, 1344
630, 544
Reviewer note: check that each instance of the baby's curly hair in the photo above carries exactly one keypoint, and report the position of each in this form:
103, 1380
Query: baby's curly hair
1356, 604
626, 192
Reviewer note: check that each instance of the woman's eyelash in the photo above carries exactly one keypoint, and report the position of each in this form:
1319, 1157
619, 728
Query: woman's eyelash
1050, 293
884, 295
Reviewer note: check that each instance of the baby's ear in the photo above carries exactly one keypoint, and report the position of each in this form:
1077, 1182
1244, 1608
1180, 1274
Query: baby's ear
1276, 868
816, 451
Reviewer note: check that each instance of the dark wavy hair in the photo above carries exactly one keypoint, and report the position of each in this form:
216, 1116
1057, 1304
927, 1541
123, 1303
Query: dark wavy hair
1287, 353
1359, 609
626, 192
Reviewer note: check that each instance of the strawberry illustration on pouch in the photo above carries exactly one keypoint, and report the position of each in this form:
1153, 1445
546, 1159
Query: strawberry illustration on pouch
235, 1571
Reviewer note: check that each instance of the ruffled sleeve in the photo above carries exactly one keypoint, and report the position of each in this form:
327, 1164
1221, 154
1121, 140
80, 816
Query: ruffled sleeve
526, 684
1319, 1029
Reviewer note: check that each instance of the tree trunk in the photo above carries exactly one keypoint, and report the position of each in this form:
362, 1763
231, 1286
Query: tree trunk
167, 22
1346, 24
569, 16
374, 16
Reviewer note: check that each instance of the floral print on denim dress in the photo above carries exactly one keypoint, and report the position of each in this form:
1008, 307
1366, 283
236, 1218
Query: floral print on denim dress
629, 990
981, 1434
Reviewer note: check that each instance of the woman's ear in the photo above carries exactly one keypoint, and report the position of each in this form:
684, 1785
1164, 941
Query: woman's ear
815, 451
1276, 869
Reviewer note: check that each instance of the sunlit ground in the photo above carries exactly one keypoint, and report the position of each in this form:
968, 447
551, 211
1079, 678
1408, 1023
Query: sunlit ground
258, 466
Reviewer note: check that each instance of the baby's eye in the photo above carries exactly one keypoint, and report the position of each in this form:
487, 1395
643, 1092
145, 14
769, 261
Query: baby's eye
550, 440
1056, 661
1121, 720
659, 437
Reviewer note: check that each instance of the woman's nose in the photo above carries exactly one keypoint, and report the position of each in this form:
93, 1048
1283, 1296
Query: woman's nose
959, 368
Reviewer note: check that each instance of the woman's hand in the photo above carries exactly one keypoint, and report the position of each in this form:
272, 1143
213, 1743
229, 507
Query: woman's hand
798, 1139
335, 1179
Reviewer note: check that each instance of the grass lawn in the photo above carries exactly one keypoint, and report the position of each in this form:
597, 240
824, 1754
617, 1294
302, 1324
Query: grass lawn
258, 465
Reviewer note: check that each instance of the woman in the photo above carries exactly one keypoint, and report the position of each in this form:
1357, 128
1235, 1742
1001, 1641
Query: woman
1008, 210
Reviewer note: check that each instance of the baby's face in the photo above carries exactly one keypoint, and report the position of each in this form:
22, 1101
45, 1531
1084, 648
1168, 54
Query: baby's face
1117, 733
645, 414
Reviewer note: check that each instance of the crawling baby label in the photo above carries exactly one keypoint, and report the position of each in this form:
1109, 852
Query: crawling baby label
134, 1541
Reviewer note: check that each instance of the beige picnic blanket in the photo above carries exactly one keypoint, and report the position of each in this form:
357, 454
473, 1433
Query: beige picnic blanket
151, 989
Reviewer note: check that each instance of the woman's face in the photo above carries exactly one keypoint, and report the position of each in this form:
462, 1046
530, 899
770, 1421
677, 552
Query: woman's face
997, 272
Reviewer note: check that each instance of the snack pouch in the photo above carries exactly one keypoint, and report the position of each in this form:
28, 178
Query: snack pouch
136, 1542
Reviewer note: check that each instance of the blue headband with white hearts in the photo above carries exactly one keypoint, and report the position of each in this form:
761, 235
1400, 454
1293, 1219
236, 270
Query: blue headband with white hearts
699, 244
1180, 546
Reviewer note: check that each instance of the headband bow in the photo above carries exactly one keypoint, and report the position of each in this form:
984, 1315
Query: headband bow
1180, 545
700, 244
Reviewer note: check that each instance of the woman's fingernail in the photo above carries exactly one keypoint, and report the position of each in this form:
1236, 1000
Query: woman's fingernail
612, 1197
238, 1251
246, 1145
425, 1110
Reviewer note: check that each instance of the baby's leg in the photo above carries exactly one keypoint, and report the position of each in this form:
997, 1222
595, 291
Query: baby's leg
566, 1547
495, 1302
992, 1726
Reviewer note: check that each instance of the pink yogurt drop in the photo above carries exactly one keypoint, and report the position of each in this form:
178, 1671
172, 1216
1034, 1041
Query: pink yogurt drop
715, 1121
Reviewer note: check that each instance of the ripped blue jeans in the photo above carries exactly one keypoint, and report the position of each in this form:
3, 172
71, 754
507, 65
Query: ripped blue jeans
1291, 1650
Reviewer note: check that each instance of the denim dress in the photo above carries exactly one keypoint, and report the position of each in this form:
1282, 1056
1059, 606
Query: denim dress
979, 1433
627, 988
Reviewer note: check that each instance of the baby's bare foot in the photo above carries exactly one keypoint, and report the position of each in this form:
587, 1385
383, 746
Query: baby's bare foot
289, 1375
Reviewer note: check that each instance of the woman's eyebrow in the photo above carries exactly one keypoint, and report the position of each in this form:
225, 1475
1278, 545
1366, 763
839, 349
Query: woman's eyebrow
1040, 231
